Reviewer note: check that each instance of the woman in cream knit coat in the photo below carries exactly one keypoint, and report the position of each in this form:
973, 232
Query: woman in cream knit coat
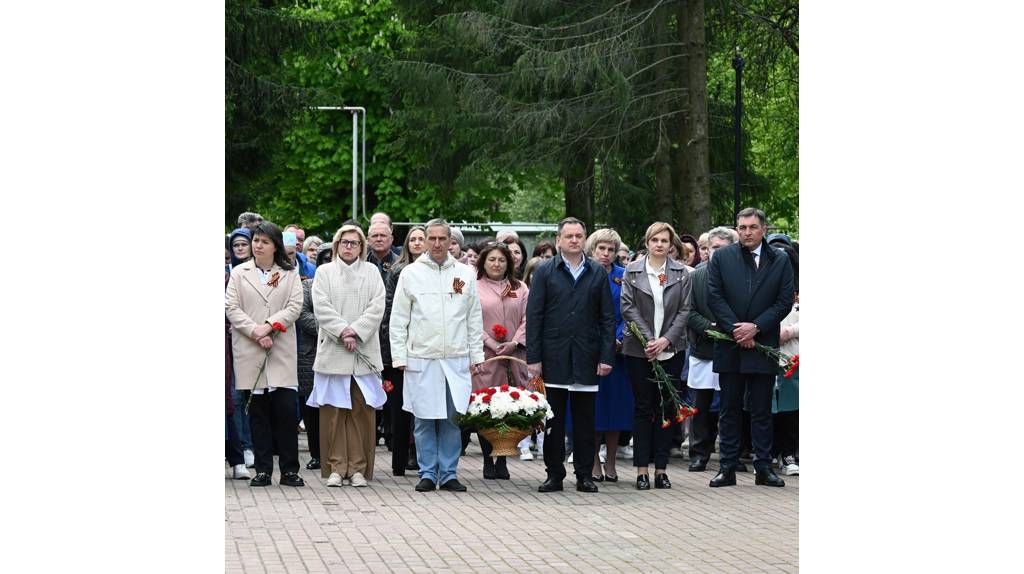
348, 301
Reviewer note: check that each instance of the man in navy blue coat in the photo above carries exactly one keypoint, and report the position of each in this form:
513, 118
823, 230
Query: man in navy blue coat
570, 338
750, 291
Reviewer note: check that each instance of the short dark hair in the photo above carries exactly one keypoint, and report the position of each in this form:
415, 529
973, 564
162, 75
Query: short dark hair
542, 246
509, 262
271, 231
571, 221
751, 211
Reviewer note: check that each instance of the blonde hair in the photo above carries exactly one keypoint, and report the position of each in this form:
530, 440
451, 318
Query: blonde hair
311, 241
658, 227
602, 236
337, 239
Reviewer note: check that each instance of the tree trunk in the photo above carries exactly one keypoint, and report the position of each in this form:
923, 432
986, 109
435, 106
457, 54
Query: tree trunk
578, 175
696, 217
662, 156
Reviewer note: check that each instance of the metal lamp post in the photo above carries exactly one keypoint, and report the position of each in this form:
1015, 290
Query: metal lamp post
737, 64
356, 110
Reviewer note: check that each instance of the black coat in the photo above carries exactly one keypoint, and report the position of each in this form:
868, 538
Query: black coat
738, 293
570, 326
390, 284
700, 318
307, 334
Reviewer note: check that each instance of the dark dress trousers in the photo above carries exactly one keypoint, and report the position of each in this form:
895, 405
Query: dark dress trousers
737, 293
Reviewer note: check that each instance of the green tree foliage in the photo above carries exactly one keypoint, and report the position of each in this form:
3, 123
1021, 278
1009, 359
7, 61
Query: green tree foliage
487, 110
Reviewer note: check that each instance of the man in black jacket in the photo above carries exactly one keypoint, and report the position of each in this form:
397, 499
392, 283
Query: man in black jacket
703, 380
570, 332
750, 291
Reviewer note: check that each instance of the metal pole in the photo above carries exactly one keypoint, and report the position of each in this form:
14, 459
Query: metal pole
355, 164
364, 163
737, 64
356, 110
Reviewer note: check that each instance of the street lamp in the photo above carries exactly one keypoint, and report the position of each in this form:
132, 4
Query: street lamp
737, 64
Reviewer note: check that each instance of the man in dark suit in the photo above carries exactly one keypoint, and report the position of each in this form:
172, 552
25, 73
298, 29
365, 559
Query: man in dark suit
570, 341
750, 291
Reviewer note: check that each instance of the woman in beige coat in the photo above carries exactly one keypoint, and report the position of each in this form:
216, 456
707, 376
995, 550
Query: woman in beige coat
348, 301
263, 292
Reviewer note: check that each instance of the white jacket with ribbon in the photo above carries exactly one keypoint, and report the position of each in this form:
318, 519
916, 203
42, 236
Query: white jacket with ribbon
436, 322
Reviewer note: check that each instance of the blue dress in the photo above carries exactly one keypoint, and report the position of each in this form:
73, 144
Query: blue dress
614, 407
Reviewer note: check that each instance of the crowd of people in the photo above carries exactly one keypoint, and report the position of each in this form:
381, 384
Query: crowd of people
355, 340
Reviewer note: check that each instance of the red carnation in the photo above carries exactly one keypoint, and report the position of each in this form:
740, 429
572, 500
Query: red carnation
487, 398
534, 396
490, 391
388, 386
514, 394
499, 332
279, 327
665, 424
504, 388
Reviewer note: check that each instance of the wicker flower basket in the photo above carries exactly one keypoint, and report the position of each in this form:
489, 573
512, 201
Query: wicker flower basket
507, 444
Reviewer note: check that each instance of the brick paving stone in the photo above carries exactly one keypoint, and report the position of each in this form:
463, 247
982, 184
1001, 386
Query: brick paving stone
507, 526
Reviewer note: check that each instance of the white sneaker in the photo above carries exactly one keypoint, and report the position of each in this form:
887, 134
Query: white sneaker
525, 454
334, 479
239, 472
302, 426
625, 452
250, 458
570, 458
789, 466
358, 479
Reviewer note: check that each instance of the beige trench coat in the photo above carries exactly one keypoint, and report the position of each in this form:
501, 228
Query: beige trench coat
249, 304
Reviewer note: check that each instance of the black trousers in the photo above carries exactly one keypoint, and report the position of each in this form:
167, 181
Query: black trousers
649, 439
233, 446
703, 425
401, 421
758, 389
581, 403
275, 424
311, 415
786, 435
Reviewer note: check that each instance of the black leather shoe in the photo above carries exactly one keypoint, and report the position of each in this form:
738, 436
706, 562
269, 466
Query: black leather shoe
425, 485
261, 479
698, 464
740, 467
662, 481
489, 472
586, 485
395, 472
550, 485
643, 482
313, 464
768, 478
611, 478
292, 479
597, 478
453, 485
501, 469
412, 464
724, 478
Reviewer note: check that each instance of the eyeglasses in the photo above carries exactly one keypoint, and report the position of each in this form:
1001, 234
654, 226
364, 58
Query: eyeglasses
347, 243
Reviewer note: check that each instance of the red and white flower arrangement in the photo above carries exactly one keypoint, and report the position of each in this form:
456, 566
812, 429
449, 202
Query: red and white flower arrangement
506, 408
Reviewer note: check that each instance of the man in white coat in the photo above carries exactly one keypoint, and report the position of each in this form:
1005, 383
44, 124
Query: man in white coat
436, 334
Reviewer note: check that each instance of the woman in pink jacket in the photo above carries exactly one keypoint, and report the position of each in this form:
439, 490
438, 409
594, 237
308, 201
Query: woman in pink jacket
503, 305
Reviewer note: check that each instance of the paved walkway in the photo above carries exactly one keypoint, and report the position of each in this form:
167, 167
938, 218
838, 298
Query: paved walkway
507, 526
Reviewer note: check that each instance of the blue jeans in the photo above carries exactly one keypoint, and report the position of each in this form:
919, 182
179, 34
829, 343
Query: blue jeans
438, 444
241, 420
